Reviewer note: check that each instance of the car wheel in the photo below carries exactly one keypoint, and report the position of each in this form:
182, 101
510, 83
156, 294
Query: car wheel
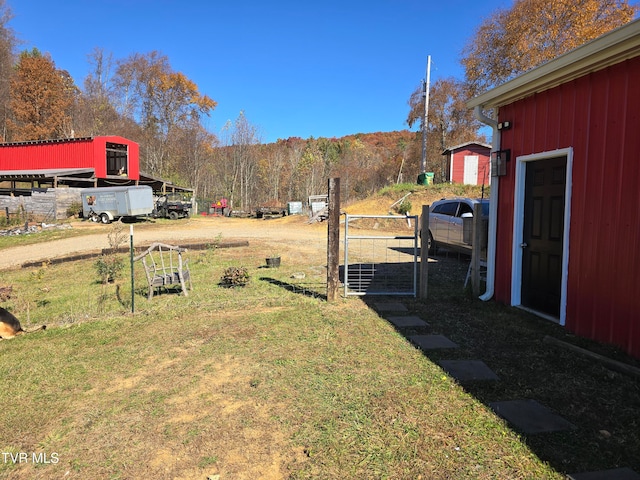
431, 244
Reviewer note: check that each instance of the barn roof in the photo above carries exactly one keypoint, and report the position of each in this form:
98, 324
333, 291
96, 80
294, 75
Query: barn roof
462, 145
611, 48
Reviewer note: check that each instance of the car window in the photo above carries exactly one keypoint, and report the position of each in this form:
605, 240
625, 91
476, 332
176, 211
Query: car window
447, 208
464, 208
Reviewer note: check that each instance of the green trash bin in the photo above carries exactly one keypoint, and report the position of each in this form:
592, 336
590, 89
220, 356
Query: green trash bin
429, 178
425, 178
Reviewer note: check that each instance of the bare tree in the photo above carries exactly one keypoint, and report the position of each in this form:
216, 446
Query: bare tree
8, 44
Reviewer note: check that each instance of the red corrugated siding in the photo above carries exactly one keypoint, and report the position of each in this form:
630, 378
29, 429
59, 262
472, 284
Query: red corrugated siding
77, 154
597, 115
74, 153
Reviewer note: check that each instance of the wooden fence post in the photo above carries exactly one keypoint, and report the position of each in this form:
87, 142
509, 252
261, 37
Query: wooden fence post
333, 240
424, 251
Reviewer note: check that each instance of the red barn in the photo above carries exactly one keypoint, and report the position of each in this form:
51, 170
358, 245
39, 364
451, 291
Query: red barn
468, 163
99, 158
564, 238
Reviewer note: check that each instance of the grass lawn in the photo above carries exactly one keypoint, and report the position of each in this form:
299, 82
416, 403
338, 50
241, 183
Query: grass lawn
263, 382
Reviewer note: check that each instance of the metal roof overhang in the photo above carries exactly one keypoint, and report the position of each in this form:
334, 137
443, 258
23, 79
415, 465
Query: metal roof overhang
85, 177
27, 175
609, 49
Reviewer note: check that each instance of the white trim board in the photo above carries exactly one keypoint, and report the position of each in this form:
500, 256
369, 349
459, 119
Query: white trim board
518, 226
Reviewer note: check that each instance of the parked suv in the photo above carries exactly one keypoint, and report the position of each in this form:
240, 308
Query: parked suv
446, 222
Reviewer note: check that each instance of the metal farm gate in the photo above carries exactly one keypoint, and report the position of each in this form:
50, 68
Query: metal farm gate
384, 263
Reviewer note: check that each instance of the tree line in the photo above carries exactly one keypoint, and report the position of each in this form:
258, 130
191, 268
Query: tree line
143, 98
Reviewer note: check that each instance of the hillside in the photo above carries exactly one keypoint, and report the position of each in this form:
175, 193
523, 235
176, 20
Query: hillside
381, 202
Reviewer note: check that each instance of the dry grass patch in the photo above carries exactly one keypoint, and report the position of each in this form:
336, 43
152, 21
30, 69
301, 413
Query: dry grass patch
260, 381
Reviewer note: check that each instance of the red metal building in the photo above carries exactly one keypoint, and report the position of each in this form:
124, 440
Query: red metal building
98, 158
564, 237
468, 163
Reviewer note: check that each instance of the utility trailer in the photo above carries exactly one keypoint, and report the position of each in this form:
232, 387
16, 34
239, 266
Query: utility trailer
109, 203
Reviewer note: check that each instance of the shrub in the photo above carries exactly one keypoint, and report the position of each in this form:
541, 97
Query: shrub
234, 277
74, 210
404, 208
109, 267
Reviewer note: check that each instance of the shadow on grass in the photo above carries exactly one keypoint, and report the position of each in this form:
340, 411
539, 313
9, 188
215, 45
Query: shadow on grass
603, 404
308, 290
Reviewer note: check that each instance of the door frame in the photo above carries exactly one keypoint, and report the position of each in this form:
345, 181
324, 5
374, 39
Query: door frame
518, 229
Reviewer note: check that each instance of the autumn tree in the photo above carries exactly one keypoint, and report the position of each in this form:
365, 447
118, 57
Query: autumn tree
193, 146
160, 100
512, 41
271, 170
41, 98
450, 121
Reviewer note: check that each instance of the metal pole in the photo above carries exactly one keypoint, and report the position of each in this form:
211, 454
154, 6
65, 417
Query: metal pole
476, 249
424, 252
425, 120
132, 279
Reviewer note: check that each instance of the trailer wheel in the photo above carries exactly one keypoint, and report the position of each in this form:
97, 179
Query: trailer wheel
104, 218
93, 217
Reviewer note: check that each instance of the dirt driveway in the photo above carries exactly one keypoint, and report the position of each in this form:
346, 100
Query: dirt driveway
280, 234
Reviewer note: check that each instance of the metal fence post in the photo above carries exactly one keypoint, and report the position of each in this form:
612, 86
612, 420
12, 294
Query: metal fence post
424, 251
476, 249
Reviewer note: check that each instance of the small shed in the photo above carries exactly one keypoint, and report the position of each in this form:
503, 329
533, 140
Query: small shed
564, 240
468, 163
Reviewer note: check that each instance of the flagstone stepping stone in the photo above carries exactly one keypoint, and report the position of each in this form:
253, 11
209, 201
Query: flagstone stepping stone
614, 474
465, 370
391, 307
432, 342
530, 417
408, 321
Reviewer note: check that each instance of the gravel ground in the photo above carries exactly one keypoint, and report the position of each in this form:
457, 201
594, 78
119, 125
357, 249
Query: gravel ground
279, 234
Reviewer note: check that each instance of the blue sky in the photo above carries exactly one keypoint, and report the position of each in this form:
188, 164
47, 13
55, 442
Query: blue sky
296, 68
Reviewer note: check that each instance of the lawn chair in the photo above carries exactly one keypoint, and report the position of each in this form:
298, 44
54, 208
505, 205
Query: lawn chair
165, 268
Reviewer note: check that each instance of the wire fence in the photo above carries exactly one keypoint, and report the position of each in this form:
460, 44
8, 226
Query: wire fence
380, 255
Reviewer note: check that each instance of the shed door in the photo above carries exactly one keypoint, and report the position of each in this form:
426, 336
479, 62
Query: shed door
470, 176
543, 234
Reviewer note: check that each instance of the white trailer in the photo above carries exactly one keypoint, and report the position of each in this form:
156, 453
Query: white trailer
109, 203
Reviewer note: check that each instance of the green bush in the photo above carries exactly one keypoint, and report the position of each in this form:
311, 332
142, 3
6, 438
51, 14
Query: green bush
109, 267
404, 208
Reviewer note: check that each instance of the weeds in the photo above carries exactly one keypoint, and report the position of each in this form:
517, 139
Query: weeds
110, 265
234, 277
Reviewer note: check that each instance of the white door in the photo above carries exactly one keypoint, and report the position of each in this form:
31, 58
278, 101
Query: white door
470, 176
